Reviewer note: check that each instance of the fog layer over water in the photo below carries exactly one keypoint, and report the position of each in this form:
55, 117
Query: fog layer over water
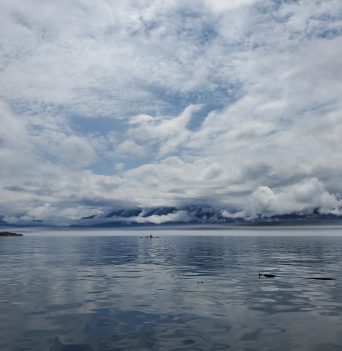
170, 293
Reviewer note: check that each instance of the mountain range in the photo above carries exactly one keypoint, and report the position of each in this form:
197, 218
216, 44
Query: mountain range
187, 215
195, 214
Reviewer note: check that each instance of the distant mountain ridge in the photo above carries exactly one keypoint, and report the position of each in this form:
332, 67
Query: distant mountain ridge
195, 214
190, 214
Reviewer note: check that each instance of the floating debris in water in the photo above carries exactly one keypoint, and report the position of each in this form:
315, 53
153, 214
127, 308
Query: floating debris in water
267, 275
270, 275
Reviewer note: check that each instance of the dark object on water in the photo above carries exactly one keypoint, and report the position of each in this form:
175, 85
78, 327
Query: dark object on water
270, 275
320, 278
267, 275
149, 237
10, 234
200, 282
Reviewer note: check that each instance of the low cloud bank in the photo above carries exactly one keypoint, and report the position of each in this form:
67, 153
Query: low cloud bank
303, 198
307, 199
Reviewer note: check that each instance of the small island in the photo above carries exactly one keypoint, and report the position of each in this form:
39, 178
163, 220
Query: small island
10, 234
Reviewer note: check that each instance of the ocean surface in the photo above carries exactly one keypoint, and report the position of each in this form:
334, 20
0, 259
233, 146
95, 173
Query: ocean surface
198, 290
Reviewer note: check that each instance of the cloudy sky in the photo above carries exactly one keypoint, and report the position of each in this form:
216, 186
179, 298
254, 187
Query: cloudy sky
116, 103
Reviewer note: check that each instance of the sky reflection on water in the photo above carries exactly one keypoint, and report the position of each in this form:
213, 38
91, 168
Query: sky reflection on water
172, 293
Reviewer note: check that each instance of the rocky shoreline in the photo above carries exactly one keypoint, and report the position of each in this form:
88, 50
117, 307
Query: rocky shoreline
10, 234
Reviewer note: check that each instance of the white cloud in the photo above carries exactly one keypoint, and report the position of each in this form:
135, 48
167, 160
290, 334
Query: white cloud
231, 103
178, 216
167, 133
301, 198
129, 148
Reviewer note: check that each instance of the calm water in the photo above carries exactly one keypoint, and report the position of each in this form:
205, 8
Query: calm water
172, 293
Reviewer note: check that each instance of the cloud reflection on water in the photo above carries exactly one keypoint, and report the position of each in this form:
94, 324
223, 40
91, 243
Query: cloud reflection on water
131, 293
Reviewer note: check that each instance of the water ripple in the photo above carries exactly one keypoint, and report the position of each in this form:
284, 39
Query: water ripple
174, 293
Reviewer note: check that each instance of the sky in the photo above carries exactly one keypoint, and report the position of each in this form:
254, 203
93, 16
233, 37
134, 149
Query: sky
120, 103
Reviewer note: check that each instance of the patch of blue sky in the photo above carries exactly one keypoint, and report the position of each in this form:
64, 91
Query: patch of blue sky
281, 2
202, 35
175, 102
97, 125
103, 167
109, 166
217, 100
208, 33
326, 33
101, 126
271, 8
195, 24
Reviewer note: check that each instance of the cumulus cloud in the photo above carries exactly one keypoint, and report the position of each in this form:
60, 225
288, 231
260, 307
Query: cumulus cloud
166, 133
233, 104
300, 198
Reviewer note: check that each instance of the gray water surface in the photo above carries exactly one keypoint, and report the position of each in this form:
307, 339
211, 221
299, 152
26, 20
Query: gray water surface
172, 293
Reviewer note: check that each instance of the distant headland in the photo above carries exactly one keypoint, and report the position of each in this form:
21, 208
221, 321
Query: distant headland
10, 234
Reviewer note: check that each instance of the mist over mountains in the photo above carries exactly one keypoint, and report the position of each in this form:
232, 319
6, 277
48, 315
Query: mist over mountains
189, 215
195, 214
